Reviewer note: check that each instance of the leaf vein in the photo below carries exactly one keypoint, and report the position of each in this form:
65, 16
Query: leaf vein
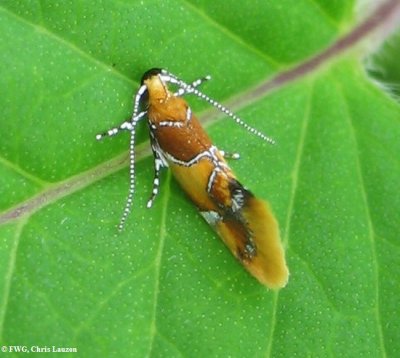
358, 169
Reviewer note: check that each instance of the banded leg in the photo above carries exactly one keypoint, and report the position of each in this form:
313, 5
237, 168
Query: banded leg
230, 155
127, 126
190, 88
199, 81
158, 164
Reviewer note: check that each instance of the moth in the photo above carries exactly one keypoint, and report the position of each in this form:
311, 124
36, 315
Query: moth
245, 223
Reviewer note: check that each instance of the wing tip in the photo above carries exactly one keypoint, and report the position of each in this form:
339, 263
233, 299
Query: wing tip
269, 266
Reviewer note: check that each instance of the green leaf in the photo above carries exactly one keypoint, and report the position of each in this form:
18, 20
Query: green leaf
166, 286
383, 64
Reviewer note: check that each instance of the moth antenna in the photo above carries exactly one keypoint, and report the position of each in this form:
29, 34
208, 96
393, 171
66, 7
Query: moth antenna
131, 191
134, 120
186, 88
233, 116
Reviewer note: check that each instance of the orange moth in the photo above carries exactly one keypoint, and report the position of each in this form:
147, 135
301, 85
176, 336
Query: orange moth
245, 223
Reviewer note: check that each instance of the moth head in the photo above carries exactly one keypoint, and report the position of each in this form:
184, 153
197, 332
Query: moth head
150, 73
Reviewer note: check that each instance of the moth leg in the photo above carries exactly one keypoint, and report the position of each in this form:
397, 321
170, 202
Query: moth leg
199, 81
190, 87
230, 155
127, 126
158, 164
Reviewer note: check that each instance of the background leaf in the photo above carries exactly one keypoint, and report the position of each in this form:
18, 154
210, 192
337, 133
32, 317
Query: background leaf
167, 286
383, 64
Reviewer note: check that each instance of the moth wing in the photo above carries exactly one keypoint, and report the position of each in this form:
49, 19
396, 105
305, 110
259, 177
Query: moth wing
268, 264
